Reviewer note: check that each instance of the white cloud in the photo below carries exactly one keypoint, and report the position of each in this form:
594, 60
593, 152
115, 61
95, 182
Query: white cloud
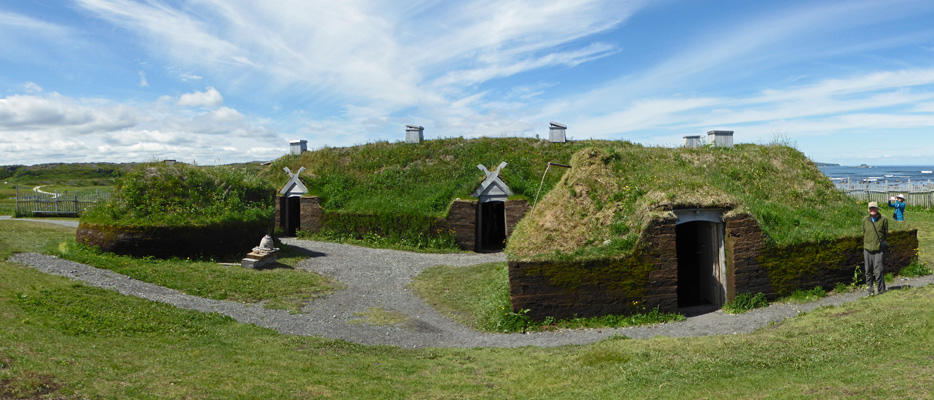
56, 127
208, 98
52, 112
142, 80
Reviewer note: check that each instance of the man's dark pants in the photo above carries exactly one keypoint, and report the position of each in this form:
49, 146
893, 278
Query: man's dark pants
873, 270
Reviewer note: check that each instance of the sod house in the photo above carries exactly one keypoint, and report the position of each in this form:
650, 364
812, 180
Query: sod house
428, 194
481, 225
631, 228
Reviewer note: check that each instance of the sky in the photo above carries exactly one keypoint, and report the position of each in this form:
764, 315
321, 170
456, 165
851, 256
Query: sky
225, 81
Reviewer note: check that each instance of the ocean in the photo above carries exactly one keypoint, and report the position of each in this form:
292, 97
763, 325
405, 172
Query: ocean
881, 173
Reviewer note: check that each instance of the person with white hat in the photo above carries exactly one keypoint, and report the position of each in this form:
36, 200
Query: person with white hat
875, 231
899, 207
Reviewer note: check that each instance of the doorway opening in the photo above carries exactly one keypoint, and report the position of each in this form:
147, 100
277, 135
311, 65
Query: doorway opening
701, 267
491, 225
292, 215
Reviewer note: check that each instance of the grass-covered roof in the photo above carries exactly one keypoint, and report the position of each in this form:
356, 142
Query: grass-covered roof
601, 206
420, 179
158, 194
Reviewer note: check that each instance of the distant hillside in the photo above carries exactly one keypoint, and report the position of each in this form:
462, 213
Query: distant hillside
600, 207
91, 174
421, 179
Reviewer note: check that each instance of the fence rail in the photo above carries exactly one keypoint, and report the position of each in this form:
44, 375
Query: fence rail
919, 193
65, 204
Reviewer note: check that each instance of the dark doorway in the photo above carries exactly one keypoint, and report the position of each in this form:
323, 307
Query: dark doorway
293, 215
700, 268
492, 225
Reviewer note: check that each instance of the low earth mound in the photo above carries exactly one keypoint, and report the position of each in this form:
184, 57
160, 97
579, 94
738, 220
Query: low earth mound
181, 210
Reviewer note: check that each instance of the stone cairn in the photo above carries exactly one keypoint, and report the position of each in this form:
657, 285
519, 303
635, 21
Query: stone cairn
262, 255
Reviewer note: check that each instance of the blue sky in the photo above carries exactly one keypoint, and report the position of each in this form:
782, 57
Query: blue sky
222, 81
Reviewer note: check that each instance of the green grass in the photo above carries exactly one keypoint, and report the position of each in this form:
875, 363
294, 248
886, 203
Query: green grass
804, 296
423, 179
923, 220
76, 174
746, 301
281, 286
478, 296
87, 343
32, 237
62, 339
185, 195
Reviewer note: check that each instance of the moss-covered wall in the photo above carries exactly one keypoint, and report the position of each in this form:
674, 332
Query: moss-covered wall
808, 265
565, 289
228, 240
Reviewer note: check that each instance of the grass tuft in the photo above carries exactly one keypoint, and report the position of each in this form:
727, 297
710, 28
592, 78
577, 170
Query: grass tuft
746, 301
805, 296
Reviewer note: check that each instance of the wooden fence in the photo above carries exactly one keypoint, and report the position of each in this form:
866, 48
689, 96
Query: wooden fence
63, 204
916, 193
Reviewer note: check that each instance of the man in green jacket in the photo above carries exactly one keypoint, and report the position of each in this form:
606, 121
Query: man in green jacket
875, 231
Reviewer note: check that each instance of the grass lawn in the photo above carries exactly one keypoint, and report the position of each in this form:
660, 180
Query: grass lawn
71, 340
923, 220
282, 286
63, 339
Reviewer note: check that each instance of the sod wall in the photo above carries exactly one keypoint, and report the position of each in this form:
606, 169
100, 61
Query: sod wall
227, 240
649, 277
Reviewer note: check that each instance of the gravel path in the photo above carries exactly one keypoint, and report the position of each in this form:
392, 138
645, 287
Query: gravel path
73, 224
376, 278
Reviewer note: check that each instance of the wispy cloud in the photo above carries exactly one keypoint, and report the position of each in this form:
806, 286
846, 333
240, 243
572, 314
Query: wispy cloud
142, 80
383, 57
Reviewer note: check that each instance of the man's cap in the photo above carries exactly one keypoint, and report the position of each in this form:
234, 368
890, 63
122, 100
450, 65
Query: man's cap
900, 196
873, 204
